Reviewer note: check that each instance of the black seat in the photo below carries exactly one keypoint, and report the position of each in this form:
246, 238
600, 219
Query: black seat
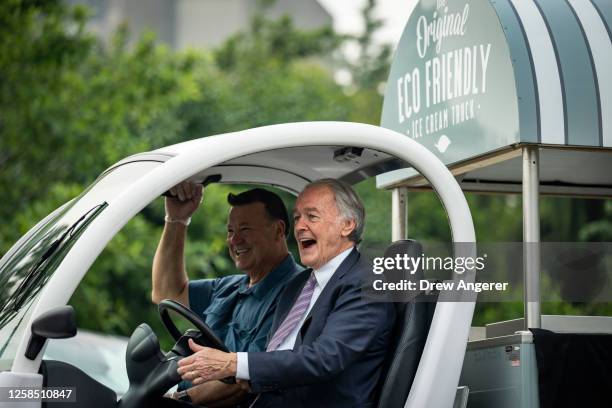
86, 392
409, 334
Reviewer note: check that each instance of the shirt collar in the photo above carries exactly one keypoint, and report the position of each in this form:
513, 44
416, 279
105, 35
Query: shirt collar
324, 273
277, 275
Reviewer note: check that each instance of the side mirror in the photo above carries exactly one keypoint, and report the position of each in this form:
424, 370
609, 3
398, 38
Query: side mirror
57, 323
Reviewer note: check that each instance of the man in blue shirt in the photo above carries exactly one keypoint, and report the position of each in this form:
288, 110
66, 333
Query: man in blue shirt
329, 342
238, 308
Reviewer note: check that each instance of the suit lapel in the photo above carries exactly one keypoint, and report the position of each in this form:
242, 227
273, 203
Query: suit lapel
344, 267
303, 330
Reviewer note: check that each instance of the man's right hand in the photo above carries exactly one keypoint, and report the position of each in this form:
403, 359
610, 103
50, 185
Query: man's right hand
169, 278
185, 200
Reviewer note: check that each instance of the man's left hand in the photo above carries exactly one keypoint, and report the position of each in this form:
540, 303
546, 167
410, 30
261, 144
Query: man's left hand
206, 364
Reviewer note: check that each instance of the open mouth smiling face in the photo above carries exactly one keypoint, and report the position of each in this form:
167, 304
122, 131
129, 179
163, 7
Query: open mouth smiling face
241, 255
317, 227
248, 237
238, 252
306, 243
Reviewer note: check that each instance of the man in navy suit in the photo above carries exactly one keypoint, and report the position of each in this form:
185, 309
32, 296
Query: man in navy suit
328, 342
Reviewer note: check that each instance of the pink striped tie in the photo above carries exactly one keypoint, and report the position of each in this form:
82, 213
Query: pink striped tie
295, 314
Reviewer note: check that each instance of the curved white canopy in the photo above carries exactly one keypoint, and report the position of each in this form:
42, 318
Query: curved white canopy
440, 365
289, 168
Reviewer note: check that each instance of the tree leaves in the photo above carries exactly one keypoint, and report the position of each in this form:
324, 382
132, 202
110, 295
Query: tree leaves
71, 106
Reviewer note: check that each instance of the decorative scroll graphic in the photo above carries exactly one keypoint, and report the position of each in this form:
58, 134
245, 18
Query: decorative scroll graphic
446, 77
451, 86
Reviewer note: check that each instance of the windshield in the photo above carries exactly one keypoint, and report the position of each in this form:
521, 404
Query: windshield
31, 265
31, 262
25, 270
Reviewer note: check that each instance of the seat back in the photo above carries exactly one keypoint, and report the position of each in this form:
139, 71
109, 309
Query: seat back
87, 391
409, 335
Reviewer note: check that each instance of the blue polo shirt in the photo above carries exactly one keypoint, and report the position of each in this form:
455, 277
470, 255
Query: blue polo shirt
241, 315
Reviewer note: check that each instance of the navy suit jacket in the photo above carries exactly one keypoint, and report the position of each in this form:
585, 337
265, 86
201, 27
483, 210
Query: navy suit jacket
339, 353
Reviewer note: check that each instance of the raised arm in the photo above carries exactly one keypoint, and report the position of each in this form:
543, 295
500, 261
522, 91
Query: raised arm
169, 276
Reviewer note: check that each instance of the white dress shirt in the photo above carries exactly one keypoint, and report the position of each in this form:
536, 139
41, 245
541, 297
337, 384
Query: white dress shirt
322, 276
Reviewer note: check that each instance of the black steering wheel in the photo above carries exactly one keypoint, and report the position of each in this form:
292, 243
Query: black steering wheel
206, 336
152, 372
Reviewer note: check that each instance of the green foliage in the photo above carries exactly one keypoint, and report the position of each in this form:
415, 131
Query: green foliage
372, 66
272, 76
62, 94
378, 209
276, 42
71, 106
37, 53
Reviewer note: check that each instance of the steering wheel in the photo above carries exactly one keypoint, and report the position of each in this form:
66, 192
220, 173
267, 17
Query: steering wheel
150, 371
206, 336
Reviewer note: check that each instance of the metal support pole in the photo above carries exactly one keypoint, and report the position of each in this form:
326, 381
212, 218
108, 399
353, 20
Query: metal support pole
531, 237
399, 214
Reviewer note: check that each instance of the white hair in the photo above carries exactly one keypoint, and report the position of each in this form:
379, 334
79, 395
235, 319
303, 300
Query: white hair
348, 203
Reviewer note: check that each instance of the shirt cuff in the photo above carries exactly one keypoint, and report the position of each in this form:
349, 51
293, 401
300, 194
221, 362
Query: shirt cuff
242, 366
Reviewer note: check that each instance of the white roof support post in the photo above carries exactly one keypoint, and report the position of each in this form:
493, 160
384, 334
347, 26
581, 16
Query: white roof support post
399, 214
531, 237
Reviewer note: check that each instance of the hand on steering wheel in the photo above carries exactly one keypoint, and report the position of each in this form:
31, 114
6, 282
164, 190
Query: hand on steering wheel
208, 338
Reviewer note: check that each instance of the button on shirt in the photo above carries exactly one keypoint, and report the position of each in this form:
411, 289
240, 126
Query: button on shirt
240, 315
322, 275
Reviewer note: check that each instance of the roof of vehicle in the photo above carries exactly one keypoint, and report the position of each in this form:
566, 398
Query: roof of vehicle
289, 168
312, 146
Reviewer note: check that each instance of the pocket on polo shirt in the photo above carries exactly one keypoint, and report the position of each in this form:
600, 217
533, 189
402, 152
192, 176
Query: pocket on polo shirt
218, 316
244, 333
220, 307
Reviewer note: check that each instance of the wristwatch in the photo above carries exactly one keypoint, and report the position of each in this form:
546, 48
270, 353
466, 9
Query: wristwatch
182, 396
